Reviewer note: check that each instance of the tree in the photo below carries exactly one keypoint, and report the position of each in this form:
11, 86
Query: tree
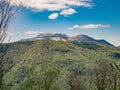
107, 78
7, 11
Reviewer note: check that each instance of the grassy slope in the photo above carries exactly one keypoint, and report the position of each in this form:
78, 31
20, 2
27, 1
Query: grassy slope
34, 59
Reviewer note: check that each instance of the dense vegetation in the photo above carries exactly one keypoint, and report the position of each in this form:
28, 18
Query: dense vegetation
62, 65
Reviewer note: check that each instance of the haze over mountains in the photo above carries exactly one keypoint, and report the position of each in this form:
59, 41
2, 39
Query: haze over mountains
64, 37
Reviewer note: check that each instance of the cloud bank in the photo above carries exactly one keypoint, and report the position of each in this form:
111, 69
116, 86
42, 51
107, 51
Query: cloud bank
88, 26
51, 5
64, 7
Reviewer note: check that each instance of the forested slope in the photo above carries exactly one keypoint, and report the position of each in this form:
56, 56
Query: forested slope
61, 65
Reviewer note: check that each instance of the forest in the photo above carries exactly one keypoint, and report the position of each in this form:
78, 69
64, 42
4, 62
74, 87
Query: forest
61, 65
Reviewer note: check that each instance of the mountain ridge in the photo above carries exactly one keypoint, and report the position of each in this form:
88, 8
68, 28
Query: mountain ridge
64, 37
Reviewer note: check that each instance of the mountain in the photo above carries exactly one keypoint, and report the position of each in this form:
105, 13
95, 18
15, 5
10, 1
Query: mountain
50, 35
81, 38
43, 64
85, 38
64, 37
118, 46
56, 37
104, 42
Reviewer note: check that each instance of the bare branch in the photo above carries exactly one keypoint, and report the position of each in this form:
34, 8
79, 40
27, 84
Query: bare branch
7, 12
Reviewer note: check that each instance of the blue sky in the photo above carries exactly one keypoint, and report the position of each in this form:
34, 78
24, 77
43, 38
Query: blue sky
99, 19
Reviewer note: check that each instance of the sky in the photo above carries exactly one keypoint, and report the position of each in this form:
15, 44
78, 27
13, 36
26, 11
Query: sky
99, 19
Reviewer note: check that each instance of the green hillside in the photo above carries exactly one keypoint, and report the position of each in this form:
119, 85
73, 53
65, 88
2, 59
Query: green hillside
61, 65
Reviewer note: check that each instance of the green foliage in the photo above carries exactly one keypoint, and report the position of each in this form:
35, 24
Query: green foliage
88, 45
115, 55
24, 42
59, 65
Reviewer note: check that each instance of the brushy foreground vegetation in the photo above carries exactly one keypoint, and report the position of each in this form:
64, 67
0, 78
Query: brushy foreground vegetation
61, 65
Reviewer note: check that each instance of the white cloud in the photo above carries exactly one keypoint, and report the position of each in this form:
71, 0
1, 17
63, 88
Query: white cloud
68, 12
52, 5
53, 16
31, 32
88, 26
65, 7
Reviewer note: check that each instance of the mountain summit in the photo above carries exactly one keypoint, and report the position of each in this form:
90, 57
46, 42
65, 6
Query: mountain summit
57, 36
64, 37
81, 38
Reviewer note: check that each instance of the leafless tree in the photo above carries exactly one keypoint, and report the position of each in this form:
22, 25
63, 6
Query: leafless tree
108, 78
7, 11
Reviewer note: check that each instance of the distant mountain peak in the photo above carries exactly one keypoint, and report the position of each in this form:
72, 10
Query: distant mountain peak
56, 36
81, 37
64, 37
104, 42
118, 46
51, 35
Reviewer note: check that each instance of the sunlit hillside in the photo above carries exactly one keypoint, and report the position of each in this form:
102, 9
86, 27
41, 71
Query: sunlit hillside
60, 65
